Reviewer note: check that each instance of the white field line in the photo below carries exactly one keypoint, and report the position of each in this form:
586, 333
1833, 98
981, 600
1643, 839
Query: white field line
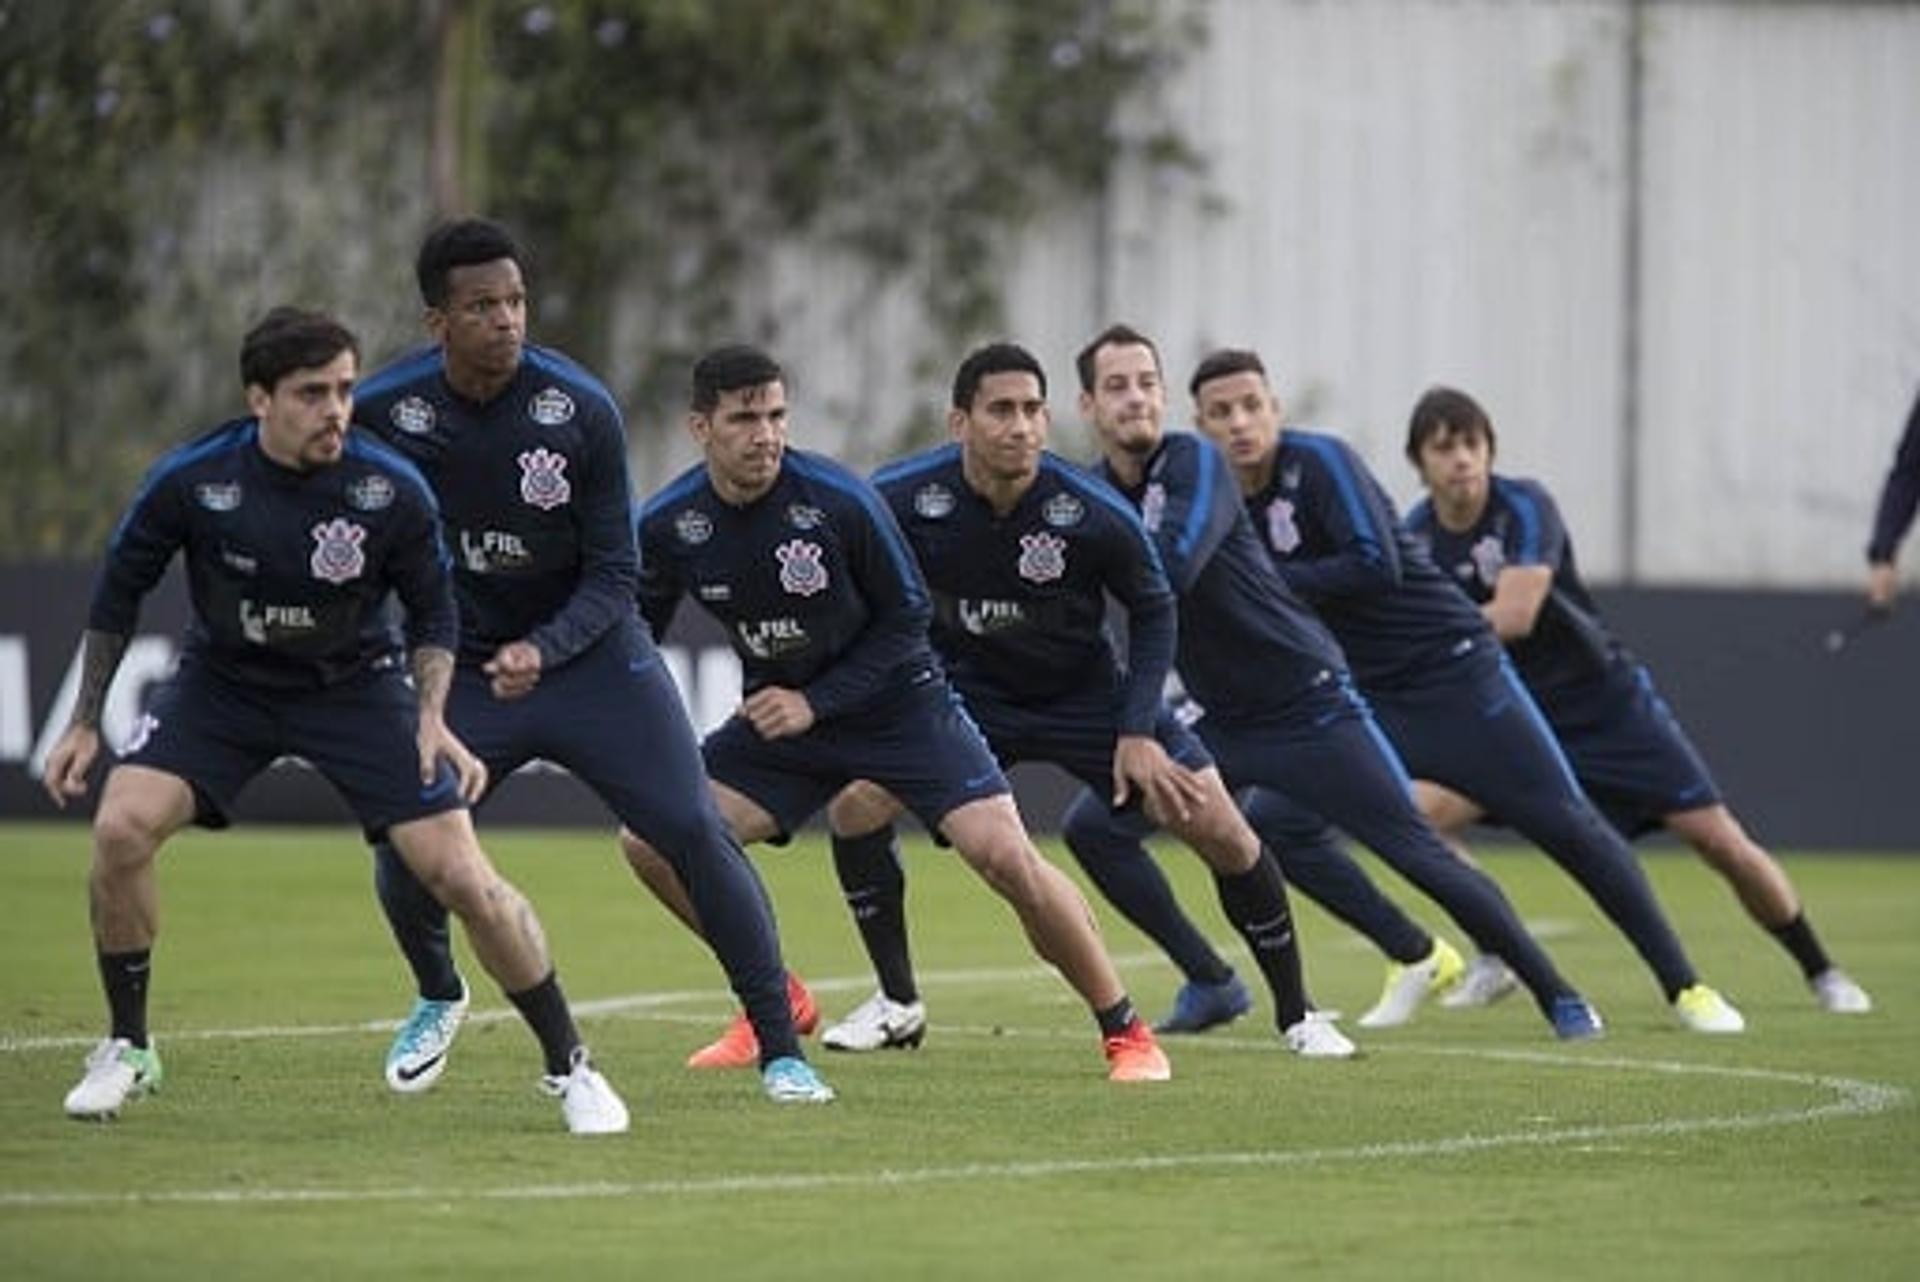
1851, 1097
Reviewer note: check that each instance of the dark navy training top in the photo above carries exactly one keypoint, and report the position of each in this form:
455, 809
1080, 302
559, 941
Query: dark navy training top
813, 581
1247, 646
1020, 601
1331, 527
288, 571
533, 491
1521, 526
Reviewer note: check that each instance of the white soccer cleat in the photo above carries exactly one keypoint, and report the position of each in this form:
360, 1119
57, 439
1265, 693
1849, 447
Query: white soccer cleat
1409, 985
1705, 1011
1838, 994
590, 1104
878, 1023
1485, 982
1316, 1037
419, 1051
117, 1071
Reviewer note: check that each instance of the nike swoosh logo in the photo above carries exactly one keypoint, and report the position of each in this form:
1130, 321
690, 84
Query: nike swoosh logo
407, 1075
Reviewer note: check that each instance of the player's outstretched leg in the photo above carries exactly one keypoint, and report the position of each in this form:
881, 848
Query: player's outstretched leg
988, 834
506, 936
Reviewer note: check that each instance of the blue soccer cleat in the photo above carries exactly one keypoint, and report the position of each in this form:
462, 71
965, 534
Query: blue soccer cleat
1574, 1020
1198, 1007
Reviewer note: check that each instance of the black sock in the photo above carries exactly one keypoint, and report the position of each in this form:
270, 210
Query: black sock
876, 892
124, 976
1797, 937
544, 1007
1117, 1018
1255, 902
419, 925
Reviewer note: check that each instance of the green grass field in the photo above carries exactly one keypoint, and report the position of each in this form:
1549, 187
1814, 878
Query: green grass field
1469, 1144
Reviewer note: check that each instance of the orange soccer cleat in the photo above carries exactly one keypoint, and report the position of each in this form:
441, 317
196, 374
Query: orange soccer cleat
739, 1046
1134, 1056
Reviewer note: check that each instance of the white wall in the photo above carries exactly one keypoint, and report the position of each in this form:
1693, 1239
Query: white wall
1403, 192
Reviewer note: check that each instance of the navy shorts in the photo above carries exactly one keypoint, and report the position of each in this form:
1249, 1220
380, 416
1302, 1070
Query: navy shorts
217, 734
1629, 751
919, 744
1472, 726
1076, 733
613, 718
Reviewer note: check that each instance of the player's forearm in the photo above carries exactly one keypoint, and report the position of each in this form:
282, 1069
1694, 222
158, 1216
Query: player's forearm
432, 676
100, 659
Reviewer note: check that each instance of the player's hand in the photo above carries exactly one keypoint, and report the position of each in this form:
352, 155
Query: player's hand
776, 712
515, 669
69, 764
1882, 583
436, 742
1168, 789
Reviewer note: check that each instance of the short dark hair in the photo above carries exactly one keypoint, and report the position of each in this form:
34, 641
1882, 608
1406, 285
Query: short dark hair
291, 338
1442, 411
728, 369
464, 242
994, 358
1115, 336
1221, 363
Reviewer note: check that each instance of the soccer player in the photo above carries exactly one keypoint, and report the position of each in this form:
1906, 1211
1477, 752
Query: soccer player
1429, 664
294, 534
1502, 541
1021, 551
1281, 709
803, 564
527, 454
1899, 497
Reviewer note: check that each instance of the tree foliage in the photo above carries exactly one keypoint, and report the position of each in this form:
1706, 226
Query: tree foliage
176, 168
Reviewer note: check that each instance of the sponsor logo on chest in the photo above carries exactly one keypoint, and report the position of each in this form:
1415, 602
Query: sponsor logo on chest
484, 550
258, 623
985, 617
770, 638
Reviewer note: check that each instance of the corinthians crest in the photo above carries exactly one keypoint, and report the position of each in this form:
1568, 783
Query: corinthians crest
1282, 533
803, 572
1043, 557
337, 557
543, 479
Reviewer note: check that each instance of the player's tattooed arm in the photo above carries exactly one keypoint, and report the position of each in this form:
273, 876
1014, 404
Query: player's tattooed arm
432, 675
100, 659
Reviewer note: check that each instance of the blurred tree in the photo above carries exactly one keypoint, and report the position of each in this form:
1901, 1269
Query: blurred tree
176, 168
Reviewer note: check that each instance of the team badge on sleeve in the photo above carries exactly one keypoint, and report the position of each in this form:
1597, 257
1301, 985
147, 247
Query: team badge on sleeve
693, 526
370, 493
1043, 557
933, 501
803, 571
543, 479
550, 407
1063, 511
413, 416
217, 496
337, 557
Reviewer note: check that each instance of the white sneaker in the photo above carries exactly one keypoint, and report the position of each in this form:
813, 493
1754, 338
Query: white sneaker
590, 1104
1836, 992
1317, 1038
1705, 1011
877, 1023
418, 1054
1409, 985
117, 1071
1486, 981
